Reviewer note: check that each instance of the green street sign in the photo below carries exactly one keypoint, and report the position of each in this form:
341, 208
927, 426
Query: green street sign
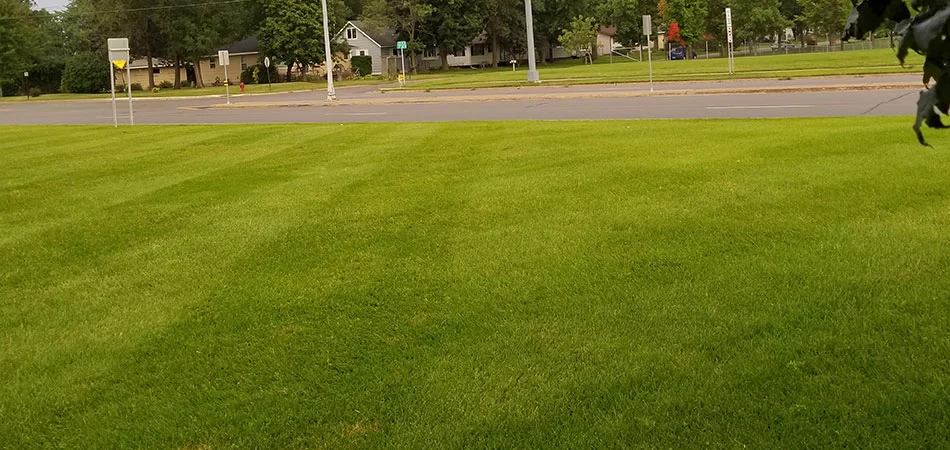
401, 45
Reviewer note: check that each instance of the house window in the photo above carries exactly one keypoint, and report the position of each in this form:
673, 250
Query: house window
460, 53
430, 53
212, 64
351, 33
362, 52
243, 63
395, 52
480, 50
156, 71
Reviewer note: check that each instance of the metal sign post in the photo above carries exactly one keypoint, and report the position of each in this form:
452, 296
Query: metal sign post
267, 70
647, 31
119, 57
26, 84
331, 91
402, 46
224, 59
533, 75
732, 61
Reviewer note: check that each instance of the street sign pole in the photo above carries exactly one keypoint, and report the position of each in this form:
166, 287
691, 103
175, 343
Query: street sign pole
267, 70
115, 113
331, 92
533, 75
731, 56
26, 84
224, 59
648, 31
119, 58
402, 46
128, 85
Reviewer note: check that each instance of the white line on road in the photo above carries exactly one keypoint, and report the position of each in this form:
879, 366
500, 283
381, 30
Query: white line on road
358, 114
762, 107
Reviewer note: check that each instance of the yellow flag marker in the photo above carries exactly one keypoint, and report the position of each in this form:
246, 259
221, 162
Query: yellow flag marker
120, 63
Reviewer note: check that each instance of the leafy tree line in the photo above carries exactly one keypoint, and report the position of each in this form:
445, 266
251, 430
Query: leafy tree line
181, 32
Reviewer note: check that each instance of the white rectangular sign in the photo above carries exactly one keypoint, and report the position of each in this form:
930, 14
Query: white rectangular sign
118, 49
224, 58
729, 24
647, 25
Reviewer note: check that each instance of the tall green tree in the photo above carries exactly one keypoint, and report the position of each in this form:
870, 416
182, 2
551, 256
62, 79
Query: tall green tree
690, 15
452, 26
756, 19
407, 18
626, 16
292, 30
17, 38
581, 36
825, 17
503, 22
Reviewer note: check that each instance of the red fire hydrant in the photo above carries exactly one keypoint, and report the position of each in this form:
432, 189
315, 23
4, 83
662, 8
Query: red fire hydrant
242, 86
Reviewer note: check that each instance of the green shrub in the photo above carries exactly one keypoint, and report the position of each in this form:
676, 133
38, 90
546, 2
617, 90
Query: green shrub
85, 73
166, 85
35, 92
362, 65
156, 90
137, 87
257, 74
119, 88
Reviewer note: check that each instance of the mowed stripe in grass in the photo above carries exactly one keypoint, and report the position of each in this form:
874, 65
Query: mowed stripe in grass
684, 284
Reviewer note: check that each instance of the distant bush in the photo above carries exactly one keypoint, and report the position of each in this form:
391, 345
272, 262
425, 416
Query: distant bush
362, 65
165, 85
156, 90
35, 92
120, 88
85, 73
137, 87
257, 74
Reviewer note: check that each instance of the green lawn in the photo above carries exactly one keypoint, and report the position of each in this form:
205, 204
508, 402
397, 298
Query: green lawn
653, 284
574, 72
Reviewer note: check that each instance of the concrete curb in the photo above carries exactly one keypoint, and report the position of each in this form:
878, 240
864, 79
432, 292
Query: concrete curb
560, 96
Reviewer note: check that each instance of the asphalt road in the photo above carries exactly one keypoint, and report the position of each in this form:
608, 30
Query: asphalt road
862, 100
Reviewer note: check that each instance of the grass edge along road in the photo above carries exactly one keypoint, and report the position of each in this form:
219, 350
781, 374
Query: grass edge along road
681, 284
572, 73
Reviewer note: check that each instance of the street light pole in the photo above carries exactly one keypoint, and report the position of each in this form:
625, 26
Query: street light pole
533, 75
331, 92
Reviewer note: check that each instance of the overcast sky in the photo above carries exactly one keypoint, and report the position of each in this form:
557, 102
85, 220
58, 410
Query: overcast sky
51, 4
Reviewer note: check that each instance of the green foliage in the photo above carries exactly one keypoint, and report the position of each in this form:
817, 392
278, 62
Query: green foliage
35, 92
257, 74
292, 30
137, 87
689, 15
825, 16
85, 73
362, 65
17, 37
581, 36
164, 85
759, 19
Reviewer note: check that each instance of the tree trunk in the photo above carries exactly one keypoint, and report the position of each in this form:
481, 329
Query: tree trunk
545, 51
495, 51
290, 67
151, 74
445, 59
199, 82
177, 72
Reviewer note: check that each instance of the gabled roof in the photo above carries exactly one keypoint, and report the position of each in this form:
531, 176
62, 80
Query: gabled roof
608, 31
248, 46
382, 36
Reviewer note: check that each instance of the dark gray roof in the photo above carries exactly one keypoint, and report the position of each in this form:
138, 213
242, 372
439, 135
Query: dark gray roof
248, 45
382, 35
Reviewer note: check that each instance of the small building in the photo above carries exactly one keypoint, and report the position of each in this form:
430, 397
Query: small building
243, 54
161, 71
366, 39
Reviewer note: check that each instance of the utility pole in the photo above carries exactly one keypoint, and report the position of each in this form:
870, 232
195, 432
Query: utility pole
331, 92
533, 75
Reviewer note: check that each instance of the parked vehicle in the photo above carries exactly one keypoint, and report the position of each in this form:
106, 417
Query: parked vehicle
677, 53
